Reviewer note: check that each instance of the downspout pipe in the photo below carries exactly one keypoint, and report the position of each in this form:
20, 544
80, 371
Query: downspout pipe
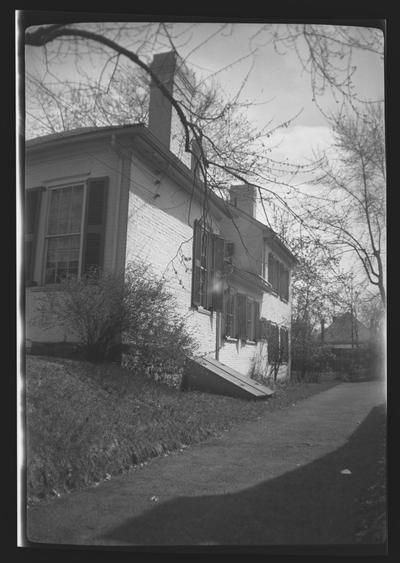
217, 334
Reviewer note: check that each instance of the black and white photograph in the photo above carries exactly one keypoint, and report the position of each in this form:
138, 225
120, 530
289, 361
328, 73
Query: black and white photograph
201, 213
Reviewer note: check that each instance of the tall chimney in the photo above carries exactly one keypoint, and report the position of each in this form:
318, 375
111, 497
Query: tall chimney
164, 122
244, 197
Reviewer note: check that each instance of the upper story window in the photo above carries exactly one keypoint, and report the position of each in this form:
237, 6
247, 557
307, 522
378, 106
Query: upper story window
231, 317
208, 266
278, 277
74, 230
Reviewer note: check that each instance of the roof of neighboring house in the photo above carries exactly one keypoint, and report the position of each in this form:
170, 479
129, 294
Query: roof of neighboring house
141, 132
345, 330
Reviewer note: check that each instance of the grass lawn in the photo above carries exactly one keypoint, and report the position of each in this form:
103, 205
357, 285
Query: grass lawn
87, 422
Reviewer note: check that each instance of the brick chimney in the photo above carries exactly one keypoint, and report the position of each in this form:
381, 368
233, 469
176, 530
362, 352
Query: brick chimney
244, 197
164, 122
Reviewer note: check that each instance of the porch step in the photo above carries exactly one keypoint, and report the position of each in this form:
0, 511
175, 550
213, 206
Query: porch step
207, 374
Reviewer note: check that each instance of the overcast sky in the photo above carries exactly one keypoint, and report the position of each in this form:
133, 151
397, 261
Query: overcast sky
278, 79
276, 82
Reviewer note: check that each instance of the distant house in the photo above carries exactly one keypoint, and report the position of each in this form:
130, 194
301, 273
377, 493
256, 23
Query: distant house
106, 196
346, 331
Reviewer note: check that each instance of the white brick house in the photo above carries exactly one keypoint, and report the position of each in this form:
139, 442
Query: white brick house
110, 195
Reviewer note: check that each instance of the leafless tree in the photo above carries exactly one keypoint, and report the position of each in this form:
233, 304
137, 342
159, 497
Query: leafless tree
216, 131
353, 180
326, 53
56, 106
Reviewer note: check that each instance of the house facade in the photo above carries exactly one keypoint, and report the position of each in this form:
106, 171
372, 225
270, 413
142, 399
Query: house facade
112, 195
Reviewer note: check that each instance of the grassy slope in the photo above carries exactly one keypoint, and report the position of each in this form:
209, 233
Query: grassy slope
86, 422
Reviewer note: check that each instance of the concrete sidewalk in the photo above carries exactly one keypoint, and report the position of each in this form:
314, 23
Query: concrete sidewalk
274, 481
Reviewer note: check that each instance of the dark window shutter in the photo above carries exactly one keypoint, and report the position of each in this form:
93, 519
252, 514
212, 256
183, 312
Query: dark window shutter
229, 313
271, 269
284, 344
208, 273
225, 327
269, 340
273, 342
95, 222
276, 342
283, 283
263, 328
280, 279
234, 314
257, 327
218, 271
33, 199
196, 265
277, 274
242, 317
287, 285
249, 304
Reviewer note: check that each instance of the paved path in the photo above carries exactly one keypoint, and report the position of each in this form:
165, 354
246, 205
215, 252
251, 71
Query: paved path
273, 481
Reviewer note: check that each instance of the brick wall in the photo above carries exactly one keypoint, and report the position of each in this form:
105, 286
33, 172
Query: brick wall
160, 231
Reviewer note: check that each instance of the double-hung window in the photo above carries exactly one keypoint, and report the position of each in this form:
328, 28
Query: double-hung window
208, 266
278, 277
277, 339
250, 319
231, 321
64, 233
74, 230
242, 316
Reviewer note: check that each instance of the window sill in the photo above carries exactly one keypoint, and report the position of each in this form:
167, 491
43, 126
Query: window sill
235, 340
41, 288
274, 293
202, 311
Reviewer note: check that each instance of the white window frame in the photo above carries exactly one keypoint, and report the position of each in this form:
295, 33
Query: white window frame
46, 236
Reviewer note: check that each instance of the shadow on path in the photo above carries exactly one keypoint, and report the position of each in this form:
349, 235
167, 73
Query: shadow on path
313, 505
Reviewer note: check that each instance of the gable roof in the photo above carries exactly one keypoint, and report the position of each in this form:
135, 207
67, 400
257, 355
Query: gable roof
345, 330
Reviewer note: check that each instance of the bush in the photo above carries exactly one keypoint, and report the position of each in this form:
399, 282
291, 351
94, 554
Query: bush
311, 360
105, 310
